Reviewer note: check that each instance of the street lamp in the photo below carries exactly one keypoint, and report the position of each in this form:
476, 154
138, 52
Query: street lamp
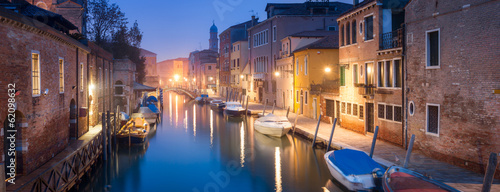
241, 76
277, 74
328, 69
176, 77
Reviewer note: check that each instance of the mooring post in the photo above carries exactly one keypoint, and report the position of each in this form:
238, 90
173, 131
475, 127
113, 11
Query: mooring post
316, 133
108, 132
274, 105
231, 95
264, 112
331, 135
408, 153
241, 98
374, 141
490, 172
103, 122
227, 96
287, 112
129, 139
295, 124
3, 187
117, 122
246, 109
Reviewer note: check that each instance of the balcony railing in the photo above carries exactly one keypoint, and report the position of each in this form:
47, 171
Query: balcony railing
393, 39
366, 90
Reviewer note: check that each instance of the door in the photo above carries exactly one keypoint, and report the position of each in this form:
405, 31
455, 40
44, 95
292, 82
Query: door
301, 102
337, 112
370, 111
315, 108
260, 94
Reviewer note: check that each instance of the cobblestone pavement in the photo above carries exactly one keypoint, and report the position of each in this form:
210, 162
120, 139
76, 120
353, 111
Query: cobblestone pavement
385, 153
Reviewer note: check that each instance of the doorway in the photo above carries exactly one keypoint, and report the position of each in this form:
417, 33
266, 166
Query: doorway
370, 111
73, 117
260, 94
14, 143
315, 108
301, 102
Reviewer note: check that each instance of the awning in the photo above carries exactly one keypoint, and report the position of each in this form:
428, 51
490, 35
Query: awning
141, 87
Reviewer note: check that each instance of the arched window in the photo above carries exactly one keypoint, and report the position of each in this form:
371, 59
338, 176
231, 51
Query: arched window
42, 5
348, 33
354, 40
342, 35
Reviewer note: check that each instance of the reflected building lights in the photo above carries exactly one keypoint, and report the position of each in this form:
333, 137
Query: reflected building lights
194, 120
186, 120
170, 106
242, 145
176, 111
277, 167
211, 129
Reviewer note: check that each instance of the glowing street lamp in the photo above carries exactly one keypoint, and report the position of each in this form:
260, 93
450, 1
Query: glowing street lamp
328, 69
176, 77
241, 76
277, 74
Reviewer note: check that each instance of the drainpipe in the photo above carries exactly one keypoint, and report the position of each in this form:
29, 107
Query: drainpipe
88, 87
403, 84
77, 100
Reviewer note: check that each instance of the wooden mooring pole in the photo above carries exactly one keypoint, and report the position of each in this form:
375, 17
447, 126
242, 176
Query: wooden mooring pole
274, 106
103, 123
246, 108
108, 132
408, 152
490, 172
374, 141
295, 123
117, 122
264, 111
331, 134
316, 133
227, 96
287, 112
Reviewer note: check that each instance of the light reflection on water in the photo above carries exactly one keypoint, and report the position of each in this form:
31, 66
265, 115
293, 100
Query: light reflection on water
217, 154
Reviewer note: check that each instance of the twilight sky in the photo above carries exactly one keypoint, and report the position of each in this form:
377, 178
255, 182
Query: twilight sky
174, 28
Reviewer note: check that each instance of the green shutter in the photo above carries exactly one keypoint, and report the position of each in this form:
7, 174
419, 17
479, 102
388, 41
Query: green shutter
342, 76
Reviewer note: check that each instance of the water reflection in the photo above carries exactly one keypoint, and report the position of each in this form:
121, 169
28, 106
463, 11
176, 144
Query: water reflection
176, 110
242, 145
211, 128
277, 165
194, 120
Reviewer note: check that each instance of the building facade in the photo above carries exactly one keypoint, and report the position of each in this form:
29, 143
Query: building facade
239, 55
453, 80
152, 77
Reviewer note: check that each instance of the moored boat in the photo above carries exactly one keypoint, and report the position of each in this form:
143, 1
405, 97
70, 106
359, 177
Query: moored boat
217, 105
134, 131
354, 169
147, 113
273, 125
398, 179
234, 109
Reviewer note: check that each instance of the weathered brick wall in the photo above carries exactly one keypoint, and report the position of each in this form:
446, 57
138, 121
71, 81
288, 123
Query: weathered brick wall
462, 86
47, 116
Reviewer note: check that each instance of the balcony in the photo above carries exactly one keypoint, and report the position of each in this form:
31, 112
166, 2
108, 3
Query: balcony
393, 39
366, 90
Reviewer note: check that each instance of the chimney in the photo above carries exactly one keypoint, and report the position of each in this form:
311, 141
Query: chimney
355, 2
253, 20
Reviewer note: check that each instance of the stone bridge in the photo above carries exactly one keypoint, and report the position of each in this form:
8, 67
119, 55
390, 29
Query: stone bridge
190, 94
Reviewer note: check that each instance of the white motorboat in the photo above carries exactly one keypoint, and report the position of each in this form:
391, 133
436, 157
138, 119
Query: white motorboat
354, 169
272, 125
234, 109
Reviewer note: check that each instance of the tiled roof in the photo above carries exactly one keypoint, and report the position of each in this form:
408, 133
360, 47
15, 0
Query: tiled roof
334, 8
363, 3
314, 33
147, 53
329, 42
42, 15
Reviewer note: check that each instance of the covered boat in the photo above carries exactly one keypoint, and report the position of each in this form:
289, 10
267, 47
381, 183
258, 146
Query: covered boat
273, 125
398, 179
217, 105
147, 113
134, 131
354, 169
234, 109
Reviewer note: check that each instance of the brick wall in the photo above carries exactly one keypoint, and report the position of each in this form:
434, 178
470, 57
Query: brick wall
463, 85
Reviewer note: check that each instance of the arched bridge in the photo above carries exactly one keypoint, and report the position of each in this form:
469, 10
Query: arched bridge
190, 94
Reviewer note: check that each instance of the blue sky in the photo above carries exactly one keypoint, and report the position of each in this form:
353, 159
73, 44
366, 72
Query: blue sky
173, 28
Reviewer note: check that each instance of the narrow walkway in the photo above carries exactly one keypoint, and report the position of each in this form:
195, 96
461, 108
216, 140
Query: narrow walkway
386, 153
74, 145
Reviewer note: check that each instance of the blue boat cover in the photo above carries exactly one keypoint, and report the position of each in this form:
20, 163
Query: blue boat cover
152, 99
153, 108
353, 162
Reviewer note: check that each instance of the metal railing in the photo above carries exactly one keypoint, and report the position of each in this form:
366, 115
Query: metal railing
366, 90
393, 39
63, 175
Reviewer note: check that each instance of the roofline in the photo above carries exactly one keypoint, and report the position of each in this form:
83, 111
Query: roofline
305, 49
239, 24
262, 23
347, 14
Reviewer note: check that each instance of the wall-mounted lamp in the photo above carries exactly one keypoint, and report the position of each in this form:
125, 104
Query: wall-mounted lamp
328, 69
45, 92
277, 73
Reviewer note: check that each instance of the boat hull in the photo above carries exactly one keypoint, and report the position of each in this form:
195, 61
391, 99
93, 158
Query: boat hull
133, 139
351, 182
397, 178
234, 113
274, 131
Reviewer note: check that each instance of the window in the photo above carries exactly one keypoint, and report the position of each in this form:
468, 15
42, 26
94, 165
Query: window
433, 52
349, 108
342, 35
274, 34
249, 40
397, 73
348, 33
209, 67
355, 109
432, 119
381, 111
361, 27
118, 88
398, 113
61, 75
81, 76
354, 40
342, 76
238, 62
355, 73
411, 108
388, 74
297, 97
305, 65
388, 112
380, 74
342, 107
361, 112
332, 28
368, 28
306, 96
297, 67
35, 73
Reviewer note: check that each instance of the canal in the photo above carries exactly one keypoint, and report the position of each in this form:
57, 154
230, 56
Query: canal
196, 149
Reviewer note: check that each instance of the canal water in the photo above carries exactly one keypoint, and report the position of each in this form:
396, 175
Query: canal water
196, 149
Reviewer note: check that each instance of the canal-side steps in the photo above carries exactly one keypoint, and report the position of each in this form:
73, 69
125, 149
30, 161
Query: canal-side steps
65, 169
385, 153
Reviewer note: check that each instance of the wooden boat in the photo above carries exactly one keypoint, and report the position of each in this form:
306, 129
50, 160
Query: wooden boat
398, 179
354, 169
272, 125
217, 105
135, 131
234, 109
146, 113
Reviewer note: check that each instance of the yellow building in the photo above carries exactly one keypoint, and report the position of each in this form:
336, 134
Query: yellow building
316, 76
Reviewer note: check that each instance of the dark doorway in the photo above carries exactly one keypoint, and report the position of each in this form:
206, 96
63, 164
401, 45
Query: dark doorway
330, 108
13, 147
369, 117
260, 94
73, 117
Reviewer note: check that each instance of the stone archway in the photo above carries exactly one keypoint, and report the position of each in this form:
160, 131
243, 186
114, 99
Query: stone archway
13, 143
73, 118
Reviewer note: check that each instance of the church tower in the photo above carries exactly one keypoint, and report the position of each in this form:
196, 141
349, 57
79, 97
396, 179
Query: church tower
214, 40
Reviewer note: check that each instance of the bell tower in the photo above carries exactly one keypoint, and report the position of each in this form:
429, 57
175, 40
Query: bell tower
214, 40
